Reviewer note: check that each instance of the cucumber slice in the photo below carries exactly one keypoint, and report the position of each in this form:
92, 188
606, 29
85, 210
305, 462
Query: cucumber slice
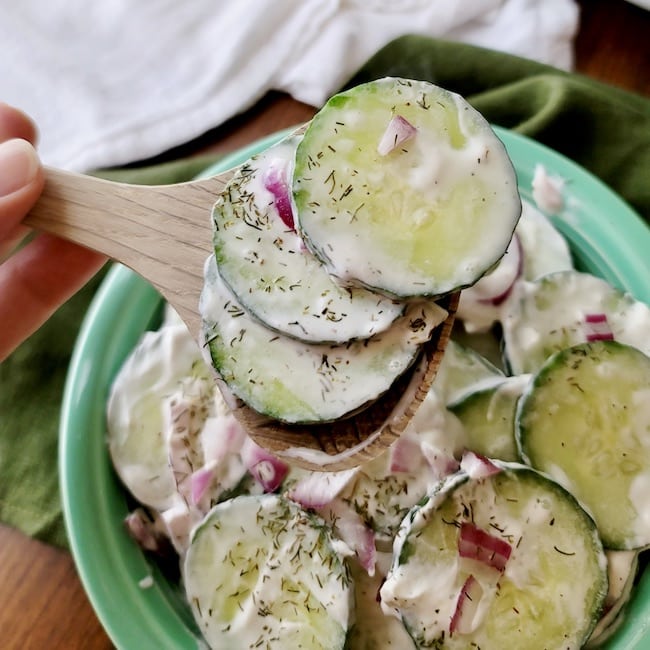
271, 272
585, 420
156, 369
488, 417
427, 218
547, 594
298, 382
262, 573
551, 314
621, 572
460, 369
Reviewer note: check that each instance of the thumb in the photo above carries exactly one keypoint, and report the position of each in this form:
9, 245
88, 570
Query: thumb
21, 182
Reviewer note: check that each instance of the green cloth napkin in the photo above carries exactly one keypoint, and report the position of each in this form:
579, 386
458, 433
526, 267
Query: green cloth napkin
604, 129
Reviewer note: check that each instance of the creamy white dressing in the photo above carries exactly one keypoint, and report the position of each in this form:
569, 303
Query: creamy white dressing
547, 190
135, 412
434, 428
543, 250
549, 315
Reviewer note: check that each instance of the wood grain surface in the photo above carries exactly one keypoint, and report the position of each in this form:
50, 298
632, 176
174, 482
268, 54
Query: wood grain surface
42, 603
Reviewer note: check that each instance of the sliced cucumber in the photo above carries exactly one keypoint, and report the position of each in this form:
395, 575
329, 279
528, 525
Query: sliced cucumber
488, 417
547, 593
460, 369
426, 218
553, 313
621, 572
262, 573
585, 420
137, 437
298, 382
271, 272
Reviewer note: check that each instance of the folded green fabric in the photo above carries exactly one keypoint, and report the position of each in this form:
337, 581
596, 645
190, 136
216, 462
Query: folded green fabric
604, 129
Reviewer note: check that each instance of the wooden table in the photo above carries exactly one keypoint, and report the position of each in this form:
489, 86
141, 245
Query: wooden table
42, 603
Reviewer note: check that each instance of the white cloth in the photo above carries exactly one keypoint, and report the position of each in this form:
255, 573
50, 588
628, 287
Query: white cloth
115, 81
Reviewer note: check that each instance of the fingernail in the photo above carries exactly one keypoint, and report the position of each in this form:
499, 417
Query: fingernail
18, 165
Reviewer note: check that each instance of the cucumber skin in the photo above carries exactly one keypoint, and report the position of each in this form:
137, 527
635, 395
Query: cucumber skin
419, 515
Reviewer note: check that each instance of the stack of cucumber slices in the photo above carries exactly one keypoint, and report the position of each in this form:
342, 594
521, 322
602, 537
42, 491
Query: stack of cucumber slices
332, 247
512, 511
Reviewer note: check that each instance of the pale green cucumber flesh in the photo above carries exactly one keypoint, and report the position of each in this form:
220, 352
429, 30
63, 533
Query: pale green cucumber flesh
429, 217
488, 418
261, 572
460, 369
271, 272
552, 589
586, 421
298, 382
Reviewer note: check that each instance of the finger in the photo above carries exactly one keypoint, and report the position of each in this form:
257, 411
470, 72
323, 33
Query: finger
15, 124
12, 240
36, 281
21, 182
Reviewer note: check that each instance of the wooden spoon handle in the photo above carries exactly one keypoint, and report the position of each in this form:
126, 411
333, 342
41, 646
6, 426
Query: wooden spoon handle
161, 232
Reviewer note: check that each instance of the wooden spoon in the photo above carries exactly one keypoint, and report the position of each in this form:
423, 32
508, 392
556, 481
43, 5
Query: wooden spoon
164, 233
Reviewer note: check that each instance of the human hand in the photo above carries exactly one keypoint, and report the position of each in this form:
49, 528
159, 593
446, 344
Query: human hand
37, 278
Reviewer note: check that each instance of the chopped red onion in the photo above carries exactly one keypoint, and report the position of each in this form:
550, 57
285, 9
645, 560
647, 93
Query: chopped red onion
268, 470
275, 181
317, 489
405, 455
477, 465
441, 463
597, 328
200, 482
476, 544
467, 604
399, 130
143, 530
221, 436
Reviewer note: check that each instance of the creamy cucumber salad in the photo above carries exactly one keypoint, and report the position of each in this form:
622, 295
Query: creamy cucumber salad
332, 247
513, 510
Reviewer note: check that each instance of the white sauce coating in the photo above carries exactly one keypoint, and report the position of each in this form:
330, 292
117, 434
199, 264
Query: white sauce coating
547, 190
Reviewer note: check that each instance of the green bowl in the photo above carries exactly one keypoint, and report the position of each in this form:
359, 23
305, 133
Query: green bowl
606, 237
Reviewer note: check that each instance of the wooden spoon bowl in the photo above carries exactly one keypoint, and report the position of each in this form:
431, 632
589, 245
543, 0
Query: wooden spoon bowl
164, 233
